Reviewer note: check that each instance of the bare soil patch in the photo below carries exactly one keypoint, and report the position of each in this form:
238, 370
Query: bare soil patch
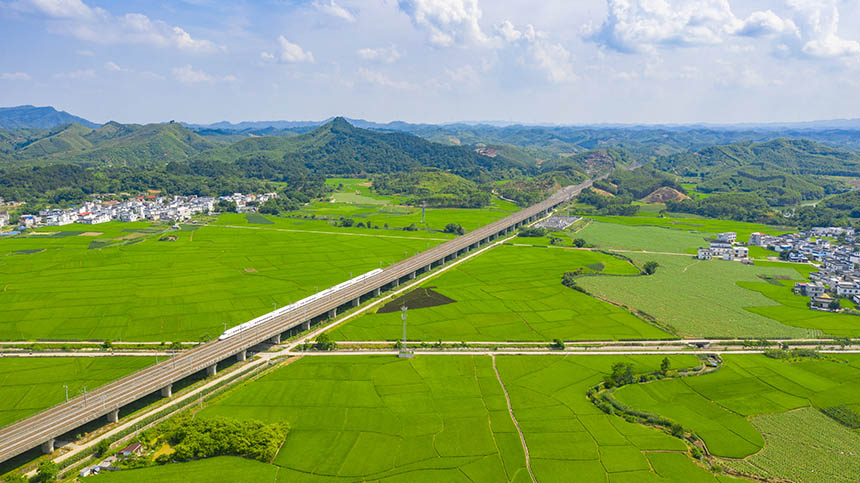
91, 233
420, 298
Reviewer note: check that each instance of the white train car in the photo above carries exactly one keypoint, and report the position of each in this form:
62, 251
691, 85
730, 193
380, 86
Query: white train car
275, 313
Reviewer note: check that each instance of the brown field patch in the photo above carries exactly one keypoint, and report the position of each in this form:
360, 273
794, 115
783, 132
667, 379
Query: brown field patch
366, 184
91, 233
250, 270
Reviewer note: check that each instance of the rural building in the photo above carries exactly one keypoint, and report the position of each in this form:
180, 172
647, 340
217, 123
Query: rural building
727, 237
810, 289
740, 252
822, 303
4, 218
718, 249
132, 449
704, 254
757, 239
847, 289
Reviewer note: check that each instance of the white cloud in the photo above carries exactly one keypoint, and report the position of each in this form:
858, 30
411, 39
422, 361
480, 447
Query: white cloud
289, 53
380, 79
113, 67
448, 22
85, 52
335, 10
819, 25
187, 75
507, 32
15, 76
94, 24
387, 55
760, 24
77, 74
554, 60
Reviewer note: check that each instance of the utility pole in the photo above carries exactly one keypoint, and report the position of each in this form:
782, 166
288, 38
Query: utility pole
405, 353
423, 210
67, 391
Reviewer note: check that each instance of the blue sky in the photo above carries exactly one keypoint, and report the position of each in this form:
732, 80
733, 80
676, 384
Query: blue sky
550, 61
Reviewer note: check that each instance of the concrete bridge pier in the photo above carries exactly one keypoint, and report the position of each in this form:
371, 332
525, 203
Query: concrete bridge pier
241, 356
212, 370
48, 446
332, 313
306, 325
356, 302
275, 340
397, 282
376, 292
413, 275
167, 391
113, 416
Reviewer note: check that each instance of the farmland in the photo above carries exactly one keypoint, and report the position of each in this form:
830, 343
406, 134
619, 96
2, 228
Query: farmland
512, 293
446, 419
804, 446
28, 385
223, 468
721, 407
705, 225
122, 283
648, 238
704, 299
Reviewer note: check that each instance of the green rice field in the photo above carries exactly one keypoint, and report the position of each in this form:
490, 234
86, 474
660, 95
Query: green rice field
709, 298
222, 468
704, 225
444, 418
29, 385
133, 287
512, 293
719, 406
804, 446
616, 236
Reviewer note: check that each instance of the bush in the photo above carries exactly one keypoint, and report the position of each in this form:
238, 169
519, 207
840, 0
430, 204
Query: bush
844, 416
455, 229
324, 343
650, 267
677, 430
207, 437
48, 471
697, 453
532, 232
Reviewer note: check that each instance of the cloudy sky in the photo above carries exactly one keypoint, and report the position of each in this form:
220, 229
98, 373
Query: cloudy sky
547, 61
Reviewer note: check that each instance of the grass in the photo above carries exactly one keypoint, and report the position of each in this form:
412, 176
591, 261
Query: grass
29, 385
223, 468
718, 406
183, 290
356, 418
445, 418
706, 298
648, 238
706, 225
356, 191
804, 446
511, 293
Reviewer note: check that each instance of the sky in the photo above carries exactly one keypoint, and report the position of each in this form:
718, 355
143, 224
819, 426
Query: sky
435, 61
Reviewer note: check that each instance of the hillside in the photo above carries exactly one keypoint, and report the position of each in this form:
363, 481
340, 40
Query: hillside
792, 156
437, 188
112, 143
24, 117
339, 148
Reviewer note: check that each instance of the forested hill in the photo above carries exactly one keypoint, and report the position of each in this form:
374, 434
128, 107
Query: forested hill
792, 156
31, 117
339, 148
110, 144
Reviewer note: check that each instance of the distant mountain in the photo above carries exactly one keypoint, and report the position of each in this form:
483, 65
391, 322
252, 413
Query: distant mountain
338, 147
112, 143
23, 117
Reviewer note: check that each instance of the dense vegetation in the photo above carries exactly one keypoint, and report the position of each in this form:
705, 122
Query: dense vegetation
526, 192
437, 188
637, 183
193, 438
775, 187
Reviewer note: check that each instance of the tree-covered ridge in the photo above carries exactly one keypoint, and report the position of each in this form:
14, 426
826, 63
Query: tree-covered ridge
28, 117
528, 191
775, 187
338, 148
636, 183
791, 156
436, 188
110, 144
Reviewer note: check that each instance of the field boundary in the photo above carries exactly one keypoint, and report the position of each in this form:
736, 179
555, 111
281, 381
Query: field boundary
514, 419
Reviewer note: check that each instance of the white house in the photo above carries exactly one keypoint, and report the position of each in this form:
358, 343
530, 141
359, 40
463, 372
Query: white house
847, 289
727, 237
740, 252
757, 239
704, 254
719, 249
4, 218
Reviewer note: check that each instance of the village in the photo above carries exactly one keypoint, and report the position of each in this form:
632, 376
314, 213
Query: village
832, 250
142, 207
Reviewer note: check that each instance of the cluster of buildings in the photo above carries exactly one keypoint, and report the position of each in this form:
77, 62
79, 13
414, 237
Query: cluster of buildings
140, 208
726, 248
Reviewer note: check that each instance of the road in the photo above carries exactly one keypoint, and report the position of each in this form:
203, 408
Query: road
47, 425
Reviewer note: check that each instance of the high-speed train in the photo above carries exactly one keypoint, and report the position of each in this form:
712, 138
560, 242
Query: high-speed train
271, 315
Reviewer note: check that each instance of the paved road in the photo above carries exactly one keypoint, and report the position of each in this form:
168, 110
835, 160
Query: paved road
45, 426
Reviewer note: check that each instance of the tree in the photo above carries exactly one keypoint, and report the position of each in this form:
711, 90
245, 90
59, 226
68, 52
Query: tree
569, 279
347, 222
225, 206
650, 267
324, 343
834, 305
48, 471
557, 344
102, 447
665, 365
579, 242
455, 229
621, 374
15, 478
677, 430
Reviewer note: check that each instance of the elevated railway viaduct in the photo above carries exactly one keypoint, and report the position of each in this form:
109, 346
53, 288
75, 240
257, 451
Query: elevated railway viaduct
106, 401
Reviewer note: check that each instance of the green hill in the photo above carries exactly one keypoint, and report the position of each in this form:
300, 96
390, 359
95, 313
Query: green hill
792, 156
775, 187
339, 148
29, 117
436, 188
113, 143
